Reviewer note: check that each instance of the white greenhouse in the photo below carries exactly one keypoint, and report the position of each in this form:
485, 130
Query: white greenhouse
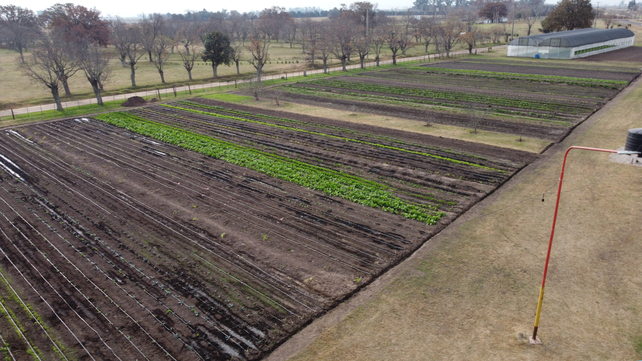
571, 44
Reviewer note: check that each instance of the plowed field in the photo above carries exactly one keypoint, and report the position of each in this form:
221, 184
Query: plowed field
539, 100
191, 231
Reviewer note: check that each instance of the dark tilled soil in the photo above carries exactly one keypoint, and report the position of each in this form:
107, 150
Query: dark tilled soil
631, 54
542, 131
525, 69
138, 249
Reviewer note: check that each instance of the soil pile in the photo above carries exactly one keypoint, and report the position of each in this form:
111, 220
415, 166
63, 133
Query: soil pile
134, 102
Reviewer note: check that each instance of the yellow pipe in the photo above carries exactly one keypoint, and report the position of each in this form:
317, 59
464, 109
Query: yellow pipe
539, 306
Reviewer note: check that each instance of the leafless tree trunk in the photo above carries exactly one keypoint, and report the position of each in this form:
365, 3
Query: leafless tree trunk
41, 69
259, 50
189, 58
94, 61
254, 87
161, 55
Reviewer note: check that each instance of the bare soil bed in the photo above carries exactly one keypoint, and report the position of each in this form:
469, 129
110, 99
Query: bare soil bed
631, 54
132, 248
537, 130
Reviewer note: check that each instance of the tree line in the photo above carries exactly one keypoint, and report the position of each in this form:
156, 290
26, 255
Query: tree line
68, 39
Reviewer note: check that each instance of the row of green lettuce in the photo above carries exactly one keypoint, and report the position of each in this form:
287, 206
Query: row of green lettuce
330, 182
447, 159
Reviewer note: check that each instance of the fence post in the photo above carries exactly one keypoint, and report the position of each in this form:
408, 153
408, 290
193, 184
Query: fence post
13, 115
158, 91
174, 88
190, 89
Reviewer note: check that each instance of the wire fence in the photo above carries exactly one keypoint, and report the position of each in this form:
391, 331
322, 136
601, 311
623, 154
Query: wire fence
204, 87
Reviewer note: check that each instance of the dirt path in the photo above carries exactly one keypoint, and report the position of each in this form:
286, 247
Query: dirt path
333, 318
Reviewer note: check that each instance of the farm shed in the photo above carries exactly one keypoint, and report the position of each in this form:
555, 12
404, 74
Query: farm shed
571, 44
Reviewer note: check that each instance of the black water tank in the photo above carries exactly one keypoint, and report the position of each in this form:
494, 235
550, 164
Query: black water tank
634, 140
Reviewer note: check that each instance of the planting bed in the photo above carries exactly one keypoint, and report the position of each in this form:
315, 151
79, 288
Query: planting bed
190, 231
503, 96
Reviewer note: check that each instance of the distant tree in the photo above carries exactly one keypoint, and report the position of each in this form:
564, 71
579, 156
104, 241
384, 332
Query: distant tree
118, 37
448, 32
133, 48
217, 50
393, 39
608, 20
632, 5
426, 28
365, 12
187, 35
344, 34
76, 22
237, 53
254, 87
529, 15
362, 47
493, 11
378, 41
161, 54
188, 57
64, 57
470, 38
19, 27
94, 61
258, 48
41, 69
272, 20
151, 28
569, 15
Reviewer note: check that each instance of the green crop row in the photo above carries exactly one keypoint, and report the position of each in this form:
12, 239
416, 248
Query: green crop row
330, 182
610, 84
447, 95
335, 137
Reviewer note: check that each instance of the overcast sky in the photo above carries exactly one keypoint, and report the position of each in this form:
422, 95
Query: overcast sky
128, 8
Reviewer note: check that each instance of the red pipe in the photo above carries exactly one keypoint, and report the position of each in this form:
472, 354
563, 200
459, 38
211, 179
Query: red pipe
550, 242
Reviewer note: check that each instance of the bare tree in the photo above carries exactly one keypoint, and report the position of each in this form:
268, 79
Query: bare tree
187, 35
344, 34
188, 57
18, 27
254, 87
258, 48
237, 52
378, 41
426, 31
150, 29
40, 68
448, 32
324, 47
160, 54
133, 48
94, 61
529, 16
66, 65
362, 46
118, 37
470, 38
393, 36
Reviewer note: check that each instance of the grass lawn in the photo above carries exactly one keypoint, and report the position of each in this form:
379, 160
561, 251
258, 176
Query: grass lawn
471, 292
17, 91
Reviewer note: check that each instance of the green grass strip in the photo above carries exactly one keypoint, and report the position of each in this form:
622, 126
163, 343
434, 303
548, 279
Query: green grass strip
333, 136
519, 76
330, 182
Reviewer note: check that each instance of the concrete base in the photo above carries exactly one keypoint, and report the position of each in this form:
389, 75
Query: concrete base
535, 341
